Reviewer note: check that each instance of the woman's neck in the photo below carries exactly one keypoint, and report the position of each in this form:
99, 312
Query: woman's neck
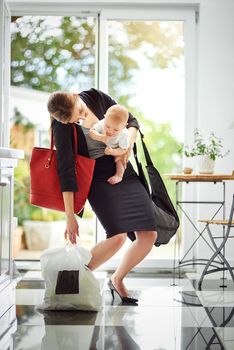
90, 119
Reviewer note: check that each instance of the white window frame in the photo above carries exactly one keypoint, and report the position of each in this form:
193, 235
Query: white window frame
107, 12
5, 46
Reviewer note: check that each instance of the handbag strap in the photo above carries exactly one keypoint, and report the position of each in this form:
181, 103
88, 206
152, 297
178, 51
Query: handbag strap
52, 145
146, 152
140, 170
135, 155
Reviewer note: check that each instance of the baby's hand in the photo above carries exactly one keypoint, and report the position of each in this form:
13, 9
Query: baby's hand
93, 134
108, 151
97, 136
105, 139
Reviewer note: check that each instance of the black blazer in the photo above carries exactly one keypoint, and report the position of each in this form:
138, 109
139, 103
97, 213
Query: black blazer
98, 102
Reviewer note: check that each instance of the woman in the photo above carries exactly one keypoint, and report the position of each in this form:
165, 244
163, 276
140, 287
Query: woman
121, 208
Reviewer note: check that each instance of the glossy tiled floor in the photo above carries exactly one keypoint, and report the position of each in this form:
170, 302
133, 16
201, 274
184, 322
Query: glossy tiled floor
167, 317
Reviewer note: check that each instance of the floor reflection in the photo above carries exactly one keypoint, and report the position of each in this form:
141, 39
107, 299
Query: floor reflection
167, 318
30, 315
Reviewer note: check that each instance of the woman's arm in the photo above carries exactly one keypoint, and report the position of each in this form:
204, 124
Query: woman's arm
66, 170
132, 131
72, 229
63, 138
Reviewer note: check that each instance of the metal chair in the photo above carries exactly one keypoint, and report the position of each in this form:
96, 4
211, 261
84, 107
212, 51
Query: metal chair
227, 224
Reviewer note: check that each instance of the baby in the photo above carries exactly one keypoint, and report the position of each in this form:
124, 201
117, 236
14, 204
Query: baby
112, 131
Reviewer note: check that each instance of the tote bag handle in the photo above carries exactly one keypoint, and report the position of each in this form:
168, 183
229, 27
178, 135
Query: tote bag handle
47, 165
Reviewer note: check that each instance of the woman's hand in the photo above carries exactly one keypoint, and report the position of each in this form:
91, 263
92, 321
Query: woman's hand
72, 229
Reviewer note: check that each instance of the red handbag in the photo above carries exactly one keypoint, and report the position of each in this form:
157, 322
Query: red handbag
44, 180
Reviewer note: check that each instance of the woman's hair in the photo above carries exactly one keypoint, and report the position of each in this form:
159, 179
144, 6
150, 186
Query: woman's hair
60, 105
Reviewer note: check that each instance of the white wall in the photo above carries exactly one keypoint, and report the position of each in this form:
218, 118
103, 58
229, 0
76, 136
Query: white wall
216, 73
216, 91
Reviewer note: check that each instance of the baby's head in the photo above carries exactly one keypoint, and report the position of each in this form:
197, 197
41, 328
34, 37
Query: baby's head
116, 118
66, 107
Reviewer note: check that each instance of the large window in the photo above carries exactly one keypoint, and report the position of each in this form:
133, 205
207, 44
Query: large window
143, 58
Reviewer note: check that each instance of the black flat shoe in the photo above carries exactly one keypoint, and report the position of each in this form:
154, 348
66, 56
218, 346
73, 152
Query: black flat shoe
125, 300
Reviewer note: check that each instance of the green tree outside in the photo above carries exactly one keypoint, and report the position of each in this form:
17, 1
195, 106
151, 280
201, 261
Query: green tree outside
58, 53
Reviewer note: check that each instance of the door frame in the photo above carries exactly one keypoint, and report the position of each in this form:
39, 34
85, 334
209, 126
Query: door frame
5, 54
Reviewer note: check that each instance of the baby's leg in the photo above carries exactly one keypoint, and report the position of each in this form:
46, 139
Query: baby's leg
118, 175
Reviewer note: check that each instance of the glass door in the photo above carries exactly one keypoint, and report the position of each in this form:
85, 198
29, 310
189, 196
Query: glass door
48, 53
147, 74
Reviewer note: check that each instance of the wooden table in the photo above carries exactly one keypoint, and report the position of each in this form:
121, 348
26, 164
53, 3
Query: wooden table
200, 177
187, 178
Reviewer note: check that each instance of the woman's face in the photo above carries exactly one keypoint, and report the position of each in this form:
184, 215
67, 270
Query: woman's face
79, 111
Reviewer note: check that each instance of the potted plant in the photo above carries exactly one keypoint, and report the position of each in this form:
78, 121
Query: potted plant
207, 150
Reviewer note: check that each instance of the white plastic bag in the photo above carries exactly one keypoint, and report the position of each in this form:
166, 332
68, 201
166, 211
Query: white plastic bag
69, 283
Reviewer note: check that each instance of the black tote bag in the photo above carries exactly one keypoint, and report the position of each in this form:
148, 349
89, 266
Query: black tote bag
166, 218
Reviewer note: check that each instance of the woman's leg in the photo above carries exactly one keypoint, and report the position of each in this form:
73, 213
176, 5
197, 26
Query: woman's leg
104, 250
135, 254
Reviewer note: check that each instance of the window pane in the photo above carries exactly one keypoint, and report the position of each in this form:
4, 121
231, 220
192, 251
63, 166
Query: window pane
48, 54
146, 74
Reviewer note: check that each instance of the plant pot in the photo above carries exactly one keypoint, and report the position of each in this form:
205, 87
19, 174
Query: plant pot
42, 235
206, 165
187, 170
188, 165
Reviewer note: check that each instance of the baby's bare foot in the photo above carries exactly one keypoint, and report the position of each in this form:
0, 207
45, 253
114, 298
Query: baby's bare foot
114, 179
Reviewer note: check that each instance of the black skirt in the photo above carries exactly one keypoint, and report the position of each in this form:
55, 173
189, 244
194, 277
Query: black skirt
121, 208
